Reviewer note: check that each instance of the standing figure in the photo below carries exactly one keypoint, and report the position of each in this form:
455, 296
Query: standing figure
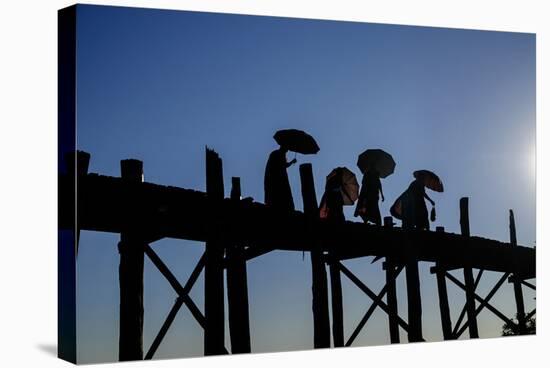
415, 212
276, 186
367, 205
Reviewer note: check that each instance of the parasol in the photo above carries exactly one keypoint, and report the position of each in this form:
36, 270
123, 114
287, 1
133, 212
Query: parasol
345, 179
378, 159
296, 141
430, 180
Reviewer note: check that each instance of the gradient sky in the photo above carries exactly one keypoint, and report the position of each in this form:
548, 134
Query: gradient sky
160, 85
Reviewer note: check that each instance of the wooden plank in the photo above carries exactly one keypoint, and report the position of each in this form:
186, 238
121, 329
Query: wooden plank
197, 314
365, 318
484, 303
463, 311
237, 289
165, 271
214, 331
187, 214
529, 285
164, 328
131, 249
321, 321
377, 299
194, 275
468, 273
391, 312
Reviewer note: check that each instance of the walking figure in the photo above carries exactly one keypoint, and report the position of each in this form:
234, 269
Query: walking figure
410, 207
367, 205
277, 190
415, 212
374, 164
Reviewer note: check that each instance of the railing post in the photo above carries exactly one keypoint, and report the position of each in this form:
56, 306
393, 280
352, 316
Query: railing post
446, 324
213, 267
468, 274
321, 322
237, 289
518, 291
131, 248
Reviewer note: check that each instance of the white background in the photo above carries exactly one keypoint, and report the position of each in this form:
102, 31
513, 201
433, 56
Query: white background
28, 187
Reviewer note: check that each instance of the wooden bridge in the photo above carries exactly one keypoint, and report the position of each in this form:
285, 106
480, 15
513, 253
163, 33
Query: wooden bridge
236, 230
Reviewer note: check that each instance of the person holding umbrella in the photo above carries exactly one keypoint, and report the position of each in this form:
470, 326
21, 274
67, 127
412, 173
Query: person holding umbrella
341, 190
374, 164
413, 207
277, 190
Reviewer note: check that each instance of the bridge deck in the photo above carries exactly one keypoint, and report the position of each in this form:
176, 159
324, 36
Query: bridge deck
110, 204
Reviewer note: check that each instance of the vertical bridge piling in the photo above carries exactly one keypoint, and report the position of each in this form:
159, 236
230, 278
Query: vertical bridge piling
518, 292
237, 289
446, 324
321, 323
468, 273
213, 267
391, 295
131, 249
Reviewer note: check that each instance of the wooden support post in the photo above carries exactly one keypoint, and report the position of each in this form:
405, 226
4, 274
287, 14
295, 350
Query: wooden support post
518, 291
391, 300
321, 322
446, 324
237, 289
391, 296
131, 249
214, 332
337, 304
414, 303
468, 274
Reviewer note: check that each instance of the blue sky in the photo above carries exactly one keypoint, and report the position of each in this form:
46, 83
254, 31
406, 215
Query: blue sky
160, 85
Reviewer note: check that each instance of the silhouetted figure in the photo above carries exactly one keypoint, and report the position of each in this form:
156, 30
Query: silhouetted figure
332, 202
367, 204
276, 186
415, 212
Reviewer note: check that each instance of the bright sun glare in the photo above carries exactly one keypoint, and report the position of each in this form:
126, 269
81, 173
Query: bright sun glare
533, 162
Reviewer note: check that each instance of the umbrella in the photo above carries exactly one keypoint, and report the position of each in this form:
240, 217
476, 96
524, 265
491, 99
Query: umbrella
346, 180
296, 141
429, 179
376, 158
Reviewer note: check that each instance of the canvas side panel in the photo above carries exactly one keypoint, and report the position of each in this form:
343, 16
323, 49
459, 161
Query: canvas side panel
66, 258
